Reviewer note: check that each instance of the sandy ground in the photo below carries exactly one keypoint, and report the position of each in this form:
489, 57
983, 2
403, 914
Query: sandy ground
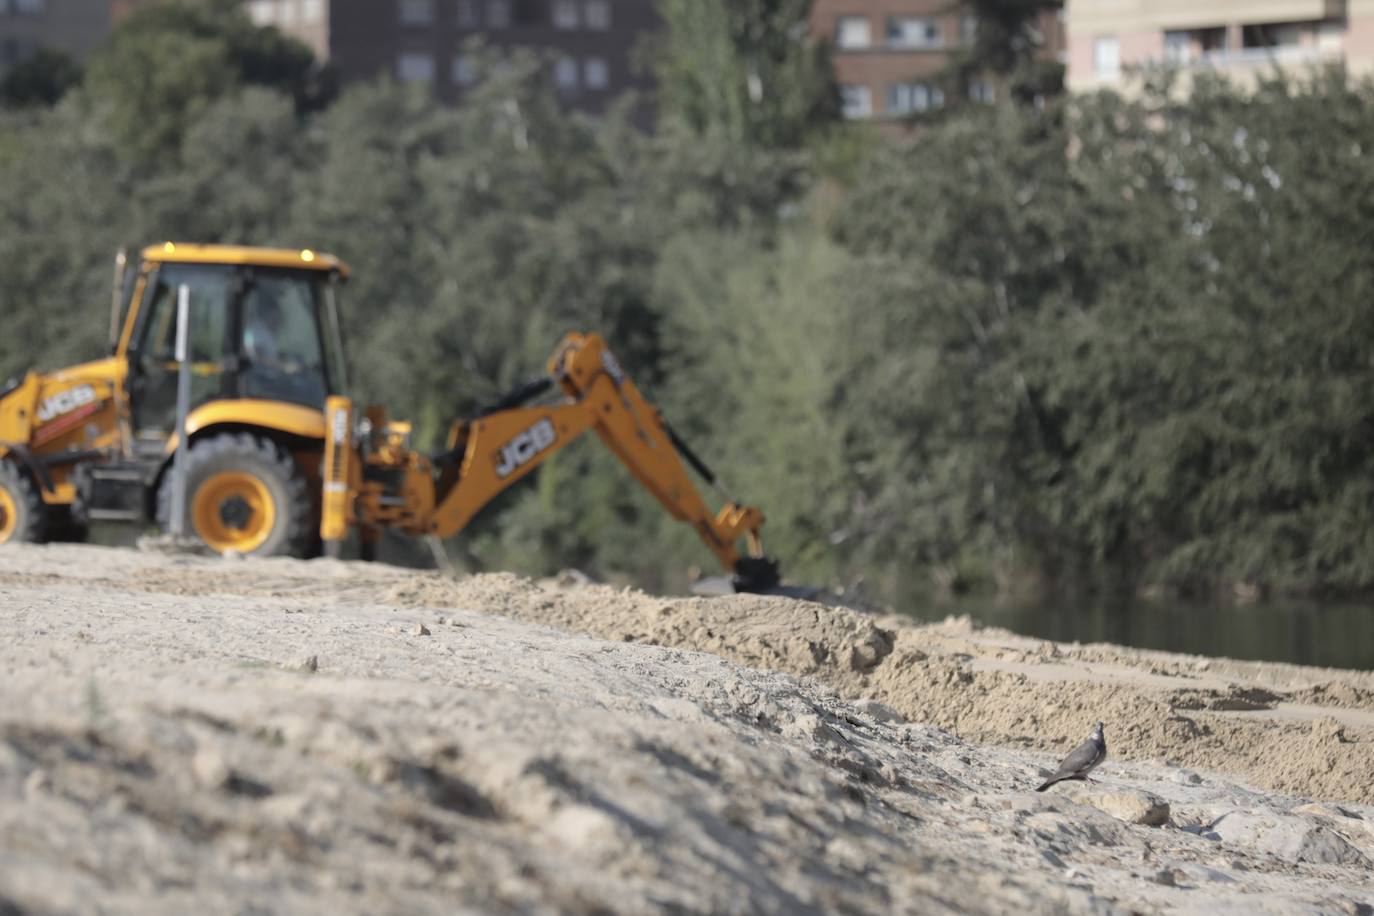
280, 736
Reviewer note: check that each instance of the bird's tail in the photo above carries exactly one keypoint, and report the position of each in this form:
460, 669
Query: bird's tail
1049, 782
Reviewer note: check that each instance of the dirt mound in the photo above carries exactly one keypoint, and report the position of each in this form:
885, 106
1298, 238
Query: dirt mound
783, 634
983, 686
183, 734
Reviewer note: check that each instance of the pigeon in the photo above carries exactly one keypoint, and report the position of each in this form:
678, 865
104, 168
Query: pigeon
1082, 760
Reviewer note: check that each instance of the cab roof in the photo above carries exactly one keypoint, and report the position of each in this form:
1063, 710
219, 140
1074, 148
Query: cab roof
302, 259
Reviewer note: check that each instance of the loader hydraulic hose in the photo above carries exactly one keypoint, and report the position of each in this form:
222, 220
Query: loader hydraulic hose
518, 395
689, 456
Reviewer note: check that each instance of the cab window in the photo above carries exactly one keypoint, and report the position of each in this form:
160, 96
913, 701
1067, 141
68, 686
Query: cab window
280, 345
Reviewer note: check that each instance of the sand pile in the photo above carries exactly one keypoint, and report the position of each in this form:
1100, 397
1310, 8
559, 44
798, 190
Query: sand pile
990, 685
1306, 731
181, 733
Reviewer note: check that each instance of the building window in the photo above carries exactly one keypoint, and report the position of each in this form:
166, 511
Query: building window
312, 10
981, 91
1275, 35
261, 12
908, 98
597, 14
464, 70
595, 73
565, 73
466, 14
852, 32
968, 29
565, 14
856, 101
415, 67
1107, 56
417, 12
286, 12
914, 32
1178, 47
1212, 41
498, 14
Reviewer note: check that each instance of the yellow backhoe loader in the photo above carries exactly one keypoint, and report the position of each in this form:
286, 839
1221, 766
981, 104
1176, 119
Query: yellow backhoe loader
279, 461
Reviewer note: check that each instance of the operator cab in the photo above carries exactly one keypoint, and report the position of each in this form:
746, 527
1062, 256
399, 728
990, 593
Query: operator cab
263, 325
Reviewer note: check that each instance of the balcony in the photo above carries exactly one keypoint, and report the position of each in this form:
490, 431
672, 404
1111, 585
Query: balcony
1127, 15
1286, 56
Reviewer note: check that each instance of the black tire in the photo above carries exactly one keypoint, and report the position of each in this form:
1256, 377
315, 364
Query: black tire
64, 526
22, 515
294, 523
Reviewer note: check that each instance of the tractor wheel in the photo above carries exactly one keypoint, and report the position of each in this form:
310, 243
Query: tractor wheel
64, 526
243, 493
21, 509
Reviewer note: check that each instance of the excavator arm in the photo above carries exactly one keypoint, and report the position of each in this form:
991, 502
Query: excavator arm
490, 452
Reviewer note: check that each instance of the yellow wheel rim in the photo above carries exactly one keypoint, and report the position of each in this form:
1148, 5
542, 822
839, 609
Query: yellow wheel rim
233, 510
9, 515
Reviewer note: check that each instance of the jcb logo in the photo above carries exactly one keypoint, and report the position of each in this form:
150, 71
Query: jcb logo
65, 402
517, 452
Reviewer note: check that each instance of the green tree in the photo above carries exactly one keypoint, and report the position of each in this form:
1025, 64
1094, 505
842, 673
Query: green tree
42, 79
1007, 51
169, 61
745, 70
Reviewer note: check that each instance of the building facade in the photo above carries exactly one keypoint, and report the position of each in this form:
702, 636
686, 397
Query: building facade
889, 54
1242, 38
71, 26
592, 42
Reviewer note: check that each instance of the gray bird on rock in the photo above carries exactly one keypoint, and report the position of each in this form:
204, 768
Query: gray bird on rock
1082, 761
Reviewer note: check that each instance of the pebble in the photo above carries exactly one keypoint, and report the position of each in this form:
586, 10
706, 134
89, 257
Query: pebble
38, 781
310, 664
210, 769
419, 630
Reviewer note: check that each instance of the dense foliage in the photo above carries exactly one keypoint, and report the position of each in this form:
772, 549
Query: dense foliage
1097, 342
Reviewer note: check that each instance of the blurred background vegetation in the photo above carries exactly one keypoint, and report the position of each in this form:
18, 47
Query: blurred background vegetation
1046, 345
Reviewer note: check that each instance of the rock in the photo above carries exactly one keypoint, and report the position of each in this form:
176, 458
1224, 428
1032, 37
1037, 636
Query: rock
871, 649
1288, 837
1324, 809
1328, 729
310, 664
878, 711
1165, 876
811, 728
1186, 778
573, 578
37, 782
231, 555
1129, 806
210, 769
419, 630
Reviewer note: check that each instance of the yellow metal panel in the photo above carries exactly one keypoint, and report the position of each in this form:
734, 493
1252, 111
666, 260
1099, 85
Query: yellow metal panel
338, 453
17, 408
301, 258
292, 419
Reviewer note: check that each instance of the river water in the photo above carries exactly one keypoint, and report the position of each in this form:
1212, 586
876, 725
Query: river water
1336, 636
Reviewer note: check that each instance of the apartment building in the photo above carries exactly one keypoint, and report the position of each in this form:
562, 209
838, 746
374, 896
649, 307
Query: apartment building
1107, 39
72, 26
422, 41
889, 54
